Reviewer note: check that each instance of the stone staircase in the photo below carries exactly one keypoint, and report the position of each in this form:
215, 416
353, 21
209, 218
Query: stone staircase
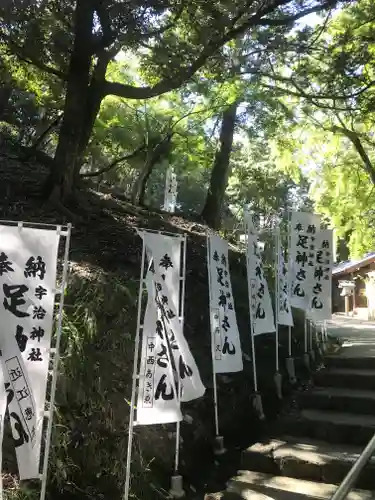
315, 444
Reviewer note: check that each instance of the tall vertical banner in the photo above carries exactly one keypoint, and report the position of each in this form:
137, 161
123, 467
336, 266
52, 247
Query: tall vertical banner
28, 259
285, 316
157, 392
225, 337
170, 193
167, 368
304, 227
321, 296
261, 304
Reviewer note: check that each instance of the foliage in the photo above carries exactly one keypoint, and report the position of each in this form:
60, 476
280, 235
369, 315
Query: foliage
342, 192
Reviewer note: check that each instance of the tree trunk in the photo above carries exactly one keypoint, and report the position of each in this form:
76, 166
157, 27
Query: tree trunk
5, 95
61, 180
95, 96
40, 138
367, 163
212, 211
153, 158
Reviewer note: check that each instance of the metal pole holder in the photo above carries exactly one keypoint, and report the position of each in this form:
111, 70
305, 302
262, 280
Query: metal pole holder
320, 348
278, 383
258, 405
312, 355
323, 346
219, 448
306, 360
290, 367
176, 490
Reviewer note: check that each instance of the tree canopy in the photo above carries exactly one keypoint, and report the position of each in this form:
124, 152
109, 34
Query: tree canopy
267, 103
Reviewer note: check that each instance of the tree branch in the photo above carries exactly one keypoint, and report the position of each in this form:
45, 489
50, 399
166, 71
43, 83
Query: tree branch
115, 162
169, 25
44, 134
185, 73
27, 58
355, 140
108, 36
301, 92
318, 104
285, 21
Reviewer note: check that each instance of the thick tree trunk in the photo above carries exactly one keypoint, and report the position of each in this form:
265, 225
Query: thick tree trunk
5, 95
212, 211
61, 180
95, 96
139, 187
153, 158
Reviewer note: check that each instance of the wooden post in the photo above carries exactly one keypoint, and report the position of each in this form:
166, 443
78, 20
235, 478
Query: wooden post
347, 305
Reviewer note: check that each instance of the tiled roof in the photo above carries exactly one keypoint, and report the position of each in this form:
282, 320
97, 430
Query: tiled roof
352, 265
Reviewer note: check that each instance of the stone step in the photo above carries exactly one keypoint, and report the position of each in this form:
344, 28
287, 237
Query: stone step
329, 426
307, 459
347, 361
260, 486
338, 399
350, 378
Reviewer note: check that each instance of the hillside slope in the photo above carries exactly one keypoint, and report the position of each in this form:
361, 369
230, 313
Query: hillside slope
89, 445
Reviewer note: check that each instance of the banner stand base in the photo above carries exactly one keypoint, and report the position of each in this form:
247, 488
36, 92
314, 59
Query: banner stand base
219, 446
258, 405
176, 490
323, 347
312, 355
320, 350
306, 360
291, 370
278, 383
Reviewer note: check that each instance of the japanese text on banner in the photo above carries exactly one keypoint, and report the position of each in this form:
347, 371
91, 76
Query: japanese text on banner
164, 281
28, 260
157, 395
321, 298
285, 316
221, 299
167, 275
263, 313
304, 227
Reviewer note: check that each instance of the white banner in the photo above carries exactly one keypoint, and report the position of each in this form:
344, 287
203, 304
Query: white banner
165, 253
285, 316
157, 397
188, 377
262, 312
304, 227
321, 297
170, 193
166, 278
28, 260
225, 337
168, 274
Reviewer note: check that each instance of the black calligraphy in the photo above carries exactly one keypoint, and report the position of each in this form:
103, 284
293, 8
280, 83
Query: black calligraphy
162, 389
35, 268
5, 264
35, 355
14, 298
